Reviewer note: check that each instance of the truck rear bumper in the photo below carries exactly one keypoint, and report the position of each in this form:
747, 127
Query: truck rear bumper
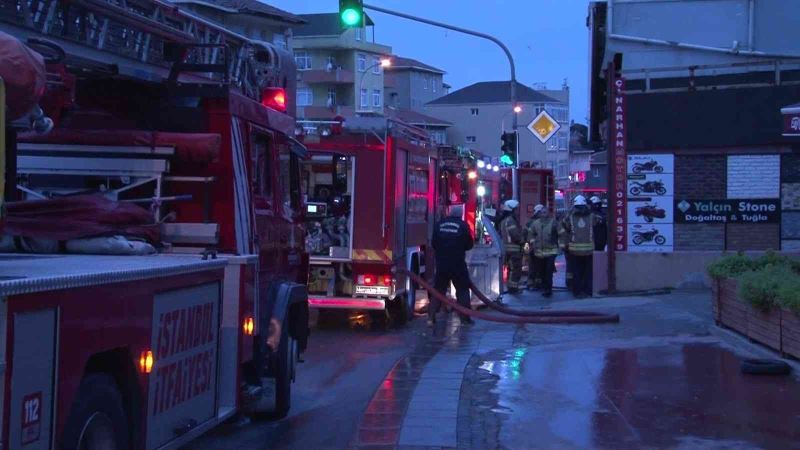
321, 301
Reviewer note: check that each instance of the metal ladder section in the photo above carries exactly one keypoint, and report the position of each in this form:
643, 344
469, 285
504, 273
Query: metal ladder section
133, 38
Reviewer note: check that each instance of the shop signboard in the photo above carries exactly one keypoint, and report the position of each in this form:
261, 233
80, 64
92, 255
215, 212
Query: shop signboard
650, 189
727, 211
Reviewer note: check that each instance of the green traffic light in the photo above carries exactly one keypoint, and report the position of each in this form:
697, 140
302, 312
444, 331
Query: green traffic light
351, 17
505, 159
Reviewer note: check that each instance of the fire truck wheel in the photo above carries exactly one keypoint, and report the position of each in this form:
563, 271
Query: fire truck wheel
97, 419
287, 356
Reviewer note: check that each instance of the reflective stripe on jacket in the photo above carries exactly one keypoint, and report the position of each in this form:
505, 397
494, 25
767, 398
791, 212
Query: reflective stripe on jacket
543, 237
513, 238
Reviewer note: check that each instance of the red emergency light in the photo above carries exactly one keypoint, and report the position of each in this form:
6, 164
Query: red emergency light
274, 98
371, 280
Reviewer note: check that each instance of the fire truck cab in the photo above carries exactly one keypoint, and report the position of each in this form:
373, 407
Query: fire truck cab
369, 188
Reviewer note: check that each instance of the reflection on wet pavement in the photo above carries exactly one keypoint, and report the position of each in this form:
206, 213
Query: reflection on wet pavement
677, 395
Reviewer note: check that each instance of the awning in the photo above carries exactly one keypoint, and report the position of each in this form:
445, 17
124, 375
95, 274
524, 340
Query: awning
791, 120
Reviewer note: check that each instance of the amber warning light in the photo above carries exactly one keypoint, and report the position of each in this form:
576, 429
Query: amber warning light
274, 98
249, 326
146, 361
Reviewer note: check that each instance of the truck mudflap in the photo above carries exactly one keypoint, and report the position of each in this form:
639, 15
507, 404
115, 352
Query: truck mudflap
182, 386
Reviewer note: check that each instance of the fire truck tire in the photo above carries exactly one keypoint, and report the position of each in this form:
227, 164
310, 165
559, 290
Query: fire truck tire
284, 373
97, 419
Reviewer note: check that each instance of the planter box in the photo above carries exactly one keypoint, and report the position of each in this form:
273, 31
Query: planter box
715, 301
790, 333
762, 327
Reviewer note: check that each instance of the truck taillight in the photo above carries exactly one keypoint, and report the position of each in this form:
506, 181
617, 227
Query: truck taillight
274, 98
386, 280
146, 361
367, 280
248, 326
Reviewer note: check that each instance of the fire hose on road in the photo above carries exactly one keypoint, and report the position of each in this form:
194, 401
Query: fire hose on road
513, 315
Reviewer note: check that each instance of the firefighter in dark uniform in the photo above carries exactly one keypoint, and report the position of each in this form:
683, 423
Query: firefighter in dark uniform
451, 240
513, 241
577, 240
601, 226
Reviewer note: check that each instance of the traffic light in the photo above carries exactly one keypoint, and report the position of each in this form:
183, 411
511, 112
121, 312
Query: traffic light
509, 149
351, 13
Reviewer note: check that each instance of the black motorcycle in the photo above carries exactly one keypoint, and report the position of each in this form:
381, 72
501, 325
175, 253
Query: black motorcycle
650, 166
648, 187
640, 237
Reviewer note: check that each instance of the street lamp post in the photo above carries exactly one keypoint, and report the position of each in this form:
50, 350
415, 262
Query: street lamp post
480, 35
384, 62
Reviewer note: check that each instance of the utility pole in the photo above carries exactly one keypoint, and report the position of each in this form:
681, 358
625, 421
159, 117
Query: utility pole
480, 35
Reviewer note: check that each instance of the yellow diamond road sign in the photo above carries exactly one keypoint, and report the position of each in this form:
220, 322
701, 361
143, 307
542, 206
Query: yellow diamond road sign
543, 127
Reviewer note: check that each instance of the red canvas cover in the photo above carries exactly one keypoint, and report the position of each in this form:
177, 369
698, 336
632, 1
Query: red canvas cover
23, 72
79, 217
202, 148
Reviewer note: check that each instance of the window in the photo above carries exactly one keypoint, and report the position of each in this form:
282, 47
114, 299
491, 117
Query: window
425, 82
279, 39
439, 136
434, 82
472, 139
359, 34
331, 97
302, 60
474, 111
563, 140
417, 195
376, 65
376, 98
562, 169
262, 164
596, 172
552, 144
362, 62
330, 63
305, 97
289, 180
364, 101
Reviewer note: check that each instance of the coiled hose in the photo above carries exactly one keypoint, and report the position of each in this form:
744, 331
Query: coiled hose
512, 315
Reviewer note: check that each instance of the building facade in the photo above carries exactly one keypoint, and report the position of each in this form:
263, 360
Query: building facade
481, 112
339, 70
411, 84
251, 18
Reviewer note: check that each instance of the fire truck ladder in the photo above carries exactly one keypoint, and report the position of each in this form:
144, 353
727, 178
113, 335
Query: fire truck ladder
143, 39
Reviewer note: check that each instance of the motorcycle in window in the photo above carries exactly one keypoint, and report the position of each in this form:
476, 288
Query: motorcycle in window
650, 166
648, 187
640, 237
651, 212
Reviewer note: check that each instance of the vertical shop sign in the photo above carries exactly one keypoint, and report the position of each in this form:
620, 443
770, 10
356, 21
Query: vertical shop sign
620, 164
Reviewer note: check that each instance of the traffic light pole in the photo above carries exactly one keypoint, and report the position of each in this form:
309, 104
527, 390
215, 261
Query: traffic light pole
480, 35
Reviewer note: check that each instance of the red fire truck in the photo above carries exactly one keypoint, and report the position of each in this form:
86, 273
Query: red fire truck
153, 107
370, 190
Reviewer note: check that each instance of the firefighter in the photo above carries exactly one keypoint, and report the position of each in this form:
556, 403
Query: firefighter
577, 240
513, 239
543, 239
601, 227
451, 240
534, 281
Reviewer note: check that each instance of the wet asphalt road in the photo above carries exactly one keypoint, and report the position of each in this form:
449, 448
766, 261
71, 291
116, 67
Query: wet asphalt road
344, 366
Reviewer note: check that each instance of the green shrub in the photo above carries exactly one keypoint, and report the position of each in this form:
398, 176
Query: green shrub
770, 258
761, 287
730, 266
789, 293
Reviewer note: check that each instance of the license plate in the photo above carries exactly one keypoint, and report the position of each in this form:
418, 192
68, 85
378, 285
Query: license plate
372, 290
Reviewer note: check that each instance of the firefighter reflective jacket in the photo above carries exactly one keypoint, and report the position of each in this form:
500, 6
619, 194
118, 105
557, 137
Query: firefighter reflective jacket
576, 232
513, 236
543, 237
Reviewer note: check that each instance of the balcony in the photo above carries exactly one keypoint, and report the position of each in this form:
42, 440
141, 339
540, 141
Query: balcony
336, 76
324, 112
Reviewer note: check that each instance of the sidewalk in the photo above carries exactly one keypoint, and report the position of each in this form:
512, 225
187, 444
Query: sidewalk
658, 379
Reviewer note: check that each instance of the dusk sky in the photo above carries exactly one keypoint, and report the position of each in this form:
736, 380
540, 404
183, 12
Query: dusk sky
548, 39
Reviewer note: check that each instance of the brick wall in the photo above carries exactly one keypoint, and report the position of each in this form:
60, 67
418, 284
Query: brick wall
754, 176
701, 177
790, 168
745, 236
704, 236
790, 196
